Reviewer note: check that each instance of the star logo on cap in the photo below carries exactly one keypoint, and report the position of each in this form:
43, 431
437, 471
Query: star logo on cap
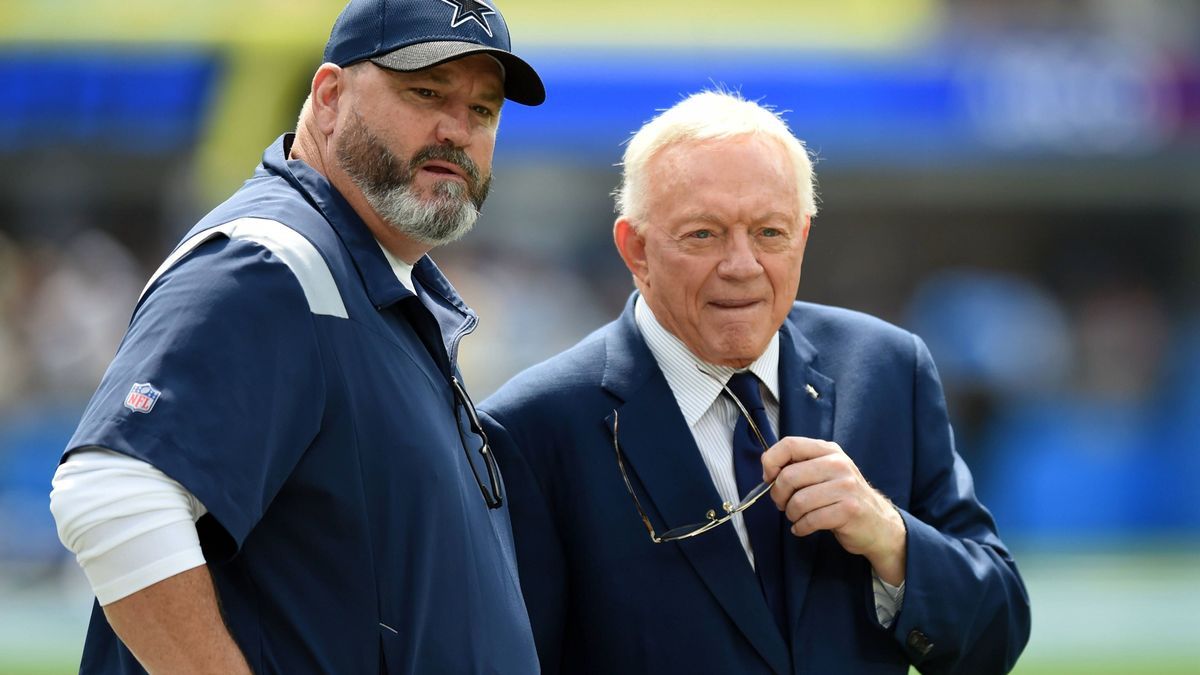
470, 10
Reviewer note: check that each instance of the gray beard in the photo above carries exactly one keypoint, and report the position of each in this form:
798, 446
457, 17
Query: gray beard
441, 220
387, 185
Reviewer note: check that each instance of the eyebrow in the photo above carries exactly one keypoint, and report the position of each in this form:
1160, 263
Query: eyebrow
489, 95
431, 74
714, 219
704, 217
492, 97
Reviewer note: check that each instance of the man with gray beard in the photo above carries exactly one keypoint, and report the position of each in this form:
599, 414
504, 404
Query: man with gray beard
281, 470
388, 188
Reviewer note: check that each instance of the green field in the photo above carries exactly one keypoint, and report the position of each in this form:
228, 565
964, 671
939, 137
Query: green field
1094, 613
1085, 666
1110, 613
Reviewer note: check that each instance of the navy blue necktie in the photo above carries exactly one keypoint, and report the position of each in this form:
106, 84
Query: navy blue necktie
764, 522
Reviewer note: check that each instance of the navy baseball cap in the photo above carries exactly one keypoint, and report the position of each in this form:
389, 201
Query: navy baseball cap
410, 35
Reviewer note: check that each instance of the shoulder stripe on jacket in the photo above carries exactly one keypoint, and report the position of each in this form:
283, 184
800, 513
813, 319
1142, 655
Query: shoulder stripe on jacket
288, 245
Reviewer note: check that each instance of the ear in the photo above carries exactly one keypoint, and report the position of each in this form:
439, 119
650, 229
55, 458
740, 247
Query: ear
632, 247
328, 85
804, 230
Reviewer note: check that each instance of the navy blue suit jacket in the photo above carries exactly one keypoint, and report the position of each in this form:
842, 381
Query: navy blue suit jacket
603, 598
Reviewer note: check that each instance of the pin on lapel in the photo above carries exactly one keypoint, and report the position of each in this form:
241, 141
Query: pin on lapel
812, 392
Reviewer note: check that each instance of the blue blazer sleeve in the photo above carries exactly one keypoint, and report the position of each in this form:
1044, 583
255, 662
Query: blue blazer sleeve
964, 605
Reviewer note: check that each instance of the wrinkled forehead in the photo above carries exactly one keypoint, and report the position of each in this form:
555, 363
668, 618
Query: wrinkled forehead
750, 171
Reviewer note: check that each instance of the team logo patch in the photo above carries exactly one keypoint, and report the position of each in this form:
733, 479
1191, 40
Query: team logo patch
142, 397
470, 10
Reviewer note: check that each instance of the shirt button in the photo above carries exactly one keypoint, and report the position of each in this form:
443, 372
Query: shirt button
919, 642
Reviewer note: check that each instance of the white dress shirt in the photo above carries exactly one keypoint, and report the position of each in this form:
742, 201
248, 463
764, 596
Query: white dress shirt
711, 418
709, 415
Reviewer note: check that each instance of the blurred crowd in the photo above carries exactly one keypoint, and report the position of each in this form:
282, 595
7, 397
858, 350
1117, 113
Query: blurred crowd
1061, 300
1075, 387
63, 307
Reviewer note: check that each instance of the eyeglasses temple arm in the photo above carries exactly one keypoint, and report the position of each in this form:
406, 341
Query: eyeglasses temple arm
629, 486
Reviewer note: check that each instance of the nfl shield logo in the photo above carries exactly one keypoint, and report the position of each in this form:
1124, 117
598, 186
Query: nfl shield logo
142, 397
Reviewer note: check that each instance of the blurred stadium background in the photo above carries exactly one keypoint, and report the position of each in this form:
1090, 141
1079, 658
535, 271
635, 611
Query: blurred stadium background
1016, 180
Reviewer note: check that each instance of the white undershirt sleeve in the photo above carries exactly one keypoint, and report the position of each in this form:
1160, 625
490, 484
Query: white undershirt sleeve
128, 524
888, 600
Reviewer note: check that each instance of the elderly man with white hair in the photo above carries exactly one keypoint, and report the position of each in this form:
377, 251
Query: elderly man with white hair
725, 480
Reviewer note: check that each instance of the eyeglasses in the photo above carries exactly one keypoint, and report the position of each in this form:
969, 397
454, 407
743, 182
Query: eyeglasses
711, 518
492, 493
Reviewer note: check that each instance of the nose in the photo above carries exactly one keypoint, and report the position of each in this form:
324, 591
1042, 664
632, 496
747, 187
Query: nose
453, 128
740, 259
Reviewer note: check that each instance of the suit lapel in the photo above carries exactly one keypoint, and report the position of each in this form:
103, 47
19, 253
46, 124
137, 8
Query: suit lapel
806, 408
675, 488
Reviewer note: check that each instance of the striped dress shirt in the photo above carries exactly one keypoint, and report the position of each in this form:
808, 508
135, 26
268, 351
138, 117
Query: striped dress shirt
711, 418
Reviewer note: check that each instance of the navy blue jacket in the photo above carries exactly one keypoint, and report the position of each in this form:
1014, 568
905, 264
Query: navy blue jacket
303, 395
603, 598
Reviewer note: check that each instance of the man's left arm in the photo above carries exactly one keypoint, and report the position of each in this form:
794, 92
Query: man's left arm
964, 607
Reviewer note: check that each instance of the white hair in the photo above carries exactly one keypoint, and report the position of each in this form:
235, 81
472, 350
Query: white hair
708, 115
